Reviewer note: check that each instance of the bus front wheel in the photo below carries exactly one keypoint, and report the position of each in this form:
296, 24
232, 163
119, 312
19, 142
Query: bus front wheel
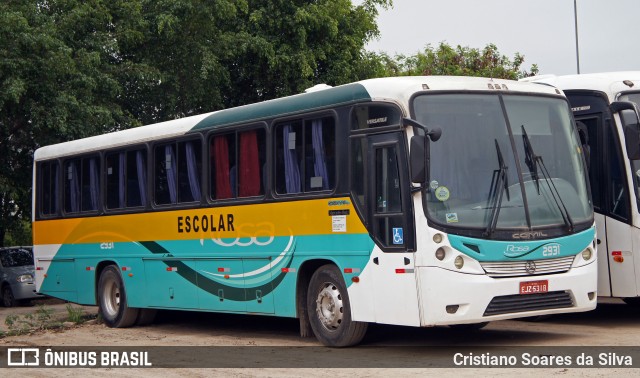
330, 311
112, 300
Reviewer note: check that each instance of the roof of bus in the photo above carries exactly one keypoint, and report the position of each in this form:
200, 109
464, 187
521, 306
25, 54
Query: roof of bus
398, 89
611, 83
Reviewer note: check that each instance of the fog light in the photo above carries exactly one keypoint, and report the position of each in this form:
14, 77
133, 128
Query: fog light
591, 295
437, 238
459, 262
586, 254
440, 253
452, 309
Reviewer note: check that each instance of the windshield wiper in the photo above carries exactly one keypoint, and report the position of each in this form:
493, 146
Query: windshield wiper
532, 160
499, 185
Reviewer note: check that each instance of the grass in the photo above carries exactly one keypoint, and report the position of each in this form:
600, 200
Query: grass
43, 318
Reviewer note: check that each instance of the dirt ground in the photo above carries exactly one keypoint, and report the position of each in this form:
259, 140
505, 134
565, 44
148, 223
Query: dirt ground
612, 324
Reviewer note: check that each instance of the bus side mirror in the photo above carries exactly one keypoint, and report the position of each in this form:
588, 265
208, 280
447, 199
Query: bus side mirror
418, 159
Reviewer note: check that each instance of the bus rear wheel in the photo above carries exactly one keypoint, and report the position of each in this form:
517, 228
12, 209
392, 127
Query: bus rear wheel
112, 300
329, 309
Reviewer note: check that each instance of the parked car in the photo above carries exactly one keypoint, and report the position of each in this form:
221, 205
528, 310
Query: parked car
16, 276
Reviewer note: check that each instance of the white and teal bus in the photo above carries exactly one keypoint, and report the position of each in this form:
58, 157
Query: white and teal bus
605, 106
416, 201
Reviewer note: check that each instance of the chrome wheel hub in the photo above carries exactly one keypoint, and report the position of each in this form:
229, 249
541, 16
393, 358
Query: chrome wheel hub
329, 307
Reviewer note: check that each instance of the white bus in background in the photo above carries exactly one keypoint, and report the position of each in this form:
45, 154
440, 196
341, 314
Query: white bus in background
605, 107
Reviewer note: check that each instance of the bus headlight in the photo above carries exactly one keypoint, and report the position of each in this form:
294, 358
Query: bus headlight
440, 253
587, 254
458, 262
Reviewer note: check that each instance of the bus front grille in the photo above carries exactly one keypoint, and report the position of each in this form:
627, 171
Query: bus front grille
503, 269
528, 302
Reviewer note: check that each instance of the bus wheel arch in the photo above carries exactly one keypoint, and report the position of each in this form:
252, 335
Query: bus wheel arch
329, 309
112, 299
305, 272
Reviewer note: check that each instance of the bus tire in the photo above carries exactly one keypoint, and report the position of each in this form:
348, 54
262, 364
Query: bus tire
112, 300
146, 316
329, 309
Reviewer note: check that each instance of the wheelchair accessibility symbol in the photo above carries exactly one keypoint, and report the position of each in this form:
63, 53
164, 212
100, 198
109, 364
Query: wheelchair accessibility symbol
398, 237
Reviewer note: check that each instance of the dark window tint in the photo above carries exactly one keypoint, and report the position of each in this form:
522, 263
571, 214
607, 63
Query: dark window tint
49, 188
368, 116
178, 168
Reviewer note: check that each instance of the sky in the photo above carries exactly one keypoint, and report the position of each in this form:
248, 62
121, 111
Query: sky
541, 30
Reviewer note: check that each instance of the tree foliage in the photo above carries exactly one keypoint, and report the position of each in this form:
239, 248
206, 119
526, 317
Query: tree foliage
457, 61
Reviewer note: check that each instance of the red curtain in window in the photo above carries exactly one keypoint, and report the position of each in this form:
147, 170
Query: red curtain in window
220, 157
249, 175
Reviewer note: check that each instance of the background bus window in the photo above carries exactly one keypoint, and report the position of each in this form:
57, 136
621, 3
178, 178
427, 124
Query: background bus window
305, 157
49, 188
618, 195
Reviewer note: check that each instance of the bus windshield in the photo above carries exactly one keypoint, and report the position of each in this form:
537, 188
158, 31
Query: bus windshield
504, 163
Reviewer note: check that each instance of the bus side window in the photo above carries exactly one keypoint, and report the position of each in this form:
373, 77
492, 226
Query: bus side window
82, 184
319, 154
305, 156
249, 178
49, 188
165, 178
222, 160
189, 171
289, 152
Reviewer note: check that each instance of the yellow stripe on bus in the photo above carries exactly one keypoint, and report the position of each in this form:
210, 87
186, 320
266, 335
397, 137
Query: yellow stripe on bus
308, 217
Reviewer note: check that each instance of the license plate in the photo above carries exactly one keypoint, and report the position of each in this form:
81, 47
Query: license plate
534, 287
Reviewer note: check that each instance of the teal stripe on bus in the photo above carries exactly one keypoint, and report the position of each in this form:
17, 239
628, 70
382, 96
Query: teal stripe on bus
331, 97
149, 262
496, 250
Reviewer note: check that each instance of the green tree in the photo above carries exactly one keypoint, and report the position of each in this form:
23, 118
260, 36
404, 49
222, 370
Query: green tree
58, 81
458, 61
211, 55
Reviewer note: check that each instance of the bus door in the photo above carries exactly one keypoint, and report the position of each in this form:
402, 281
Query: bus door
610, 193
391, 224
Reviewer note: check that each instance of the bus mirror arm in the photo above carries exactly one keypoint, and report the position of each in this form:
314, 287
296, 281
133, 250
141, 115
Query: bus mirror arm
631, 131
419, 153
433, 135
